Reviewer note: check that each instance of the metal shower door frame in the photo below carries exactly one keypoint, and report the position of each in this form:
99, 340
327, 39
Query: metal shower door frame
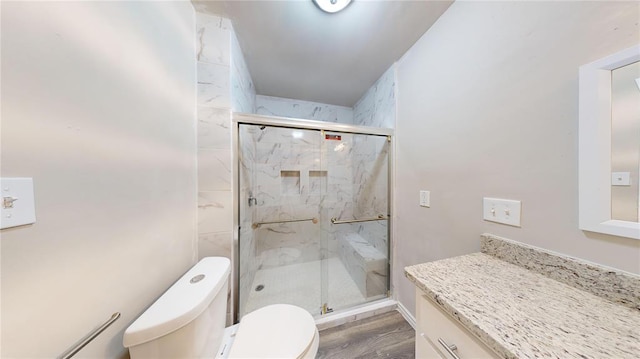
294, 123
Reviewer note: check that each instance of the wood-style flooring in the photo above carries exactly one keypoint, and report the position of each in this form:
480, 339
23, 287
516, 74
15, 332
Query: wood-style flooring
386, 335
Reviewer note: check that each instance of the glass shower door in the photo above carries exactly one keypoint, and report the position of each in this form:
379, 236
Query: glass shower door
355, 220
280, 242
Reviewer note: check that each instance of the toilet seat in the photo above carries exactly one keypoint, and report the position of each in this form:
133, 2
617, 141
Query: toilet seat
276, 331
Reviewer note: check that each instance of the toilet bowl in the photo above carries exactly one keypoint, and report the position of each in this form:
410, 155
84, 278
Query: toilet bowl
276, 331
187, 321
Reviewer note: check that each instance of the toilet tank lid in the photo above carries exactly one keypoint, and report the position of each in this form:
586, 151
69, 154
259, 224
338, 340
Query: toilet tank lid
187, 298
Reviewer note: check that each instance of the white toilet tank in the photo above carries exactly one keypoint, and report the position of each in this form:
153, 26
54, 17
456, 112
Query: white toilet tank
188, 320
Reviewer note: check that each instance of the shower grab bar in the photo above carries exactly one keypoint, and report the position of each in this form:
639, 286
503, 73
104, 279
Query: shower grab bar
89, 337
380, 217
258, 224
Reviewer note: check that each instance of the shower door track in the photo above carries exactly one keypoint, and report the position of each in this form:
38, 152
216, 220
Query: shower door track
297, 123
250, 119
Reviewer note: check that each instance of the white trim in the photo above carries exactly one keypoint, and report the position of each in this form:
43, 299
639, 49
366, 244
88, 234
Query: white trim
594, 185
407, 315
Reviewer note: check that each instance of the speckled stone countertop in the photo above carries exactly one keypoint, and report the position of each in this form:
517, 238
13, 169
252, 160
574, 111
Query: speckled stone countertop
520, 313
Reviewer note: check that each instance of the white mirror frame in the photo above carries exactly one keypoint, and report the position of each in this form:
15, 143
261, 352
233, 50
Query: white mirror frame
595, 146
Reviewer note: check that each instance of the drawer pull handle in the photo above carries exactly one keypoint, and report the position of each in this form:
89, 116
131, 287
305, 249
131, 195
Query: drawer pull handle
449, 348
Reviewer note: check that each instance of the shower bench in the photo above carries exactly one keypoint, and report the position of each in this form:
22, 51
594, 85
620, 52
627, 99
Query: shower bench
366, 264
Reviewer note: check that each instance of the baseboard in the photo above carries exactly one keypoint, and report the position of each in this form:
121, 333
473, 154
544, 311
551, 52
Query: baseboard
407, 315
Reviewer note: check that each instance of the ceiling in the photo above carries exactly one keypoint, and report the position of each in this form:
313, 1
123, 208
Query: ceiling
295, 50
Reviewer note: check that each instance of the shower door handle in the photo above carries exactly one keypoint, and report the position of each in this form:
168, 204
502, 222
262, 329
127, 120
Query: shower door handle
381, 217
258, 224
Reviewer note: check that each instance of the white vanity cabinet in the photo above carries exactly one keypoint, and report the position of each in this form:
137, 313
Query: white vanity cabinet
435, 329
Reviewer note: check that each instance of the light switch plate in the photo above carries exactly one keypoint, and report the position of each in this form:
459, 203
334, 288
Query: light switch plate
425, 199
17, 205
505, 211
620, 179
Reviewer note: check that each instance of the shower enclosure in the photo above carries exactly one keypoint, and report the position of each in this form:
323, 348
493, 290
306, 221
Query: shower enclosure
313, 214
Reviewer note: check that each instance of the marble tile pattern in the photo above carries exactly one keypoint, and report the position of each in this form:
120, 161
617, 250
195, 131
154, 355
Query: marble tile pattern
213, 39
296, 174
243, 92
214, 85
617, 286
282, 164
215, 244
377, 107
224, 84
366, 264
214, 170
370, 187
523, 314
284, 107
215, 212
214, 130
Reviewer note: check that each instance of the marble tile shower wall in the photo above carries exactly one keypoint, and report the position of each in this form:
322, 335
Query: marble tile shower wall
287, 162
351, 175
284, 107
363, 247
243, 92
224, 85
300, 174
323, 174
214, 136
370, 188
368, 265
377, 107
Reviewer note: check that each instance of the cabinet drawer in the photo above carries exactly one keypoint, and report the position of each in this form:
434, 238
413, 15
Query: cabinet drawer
425, 349
436, 324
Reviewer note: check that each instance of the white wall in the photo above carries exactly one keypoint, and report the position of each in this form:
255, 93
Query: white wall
98, 106
488, 106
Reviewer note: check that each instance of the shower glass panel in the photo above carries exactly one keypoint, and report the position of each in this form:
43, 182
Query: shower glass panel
280, 242
313, 218
357, 229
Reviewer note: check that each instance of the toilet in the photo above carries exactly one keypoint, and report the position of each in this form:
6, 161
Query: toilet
188, 321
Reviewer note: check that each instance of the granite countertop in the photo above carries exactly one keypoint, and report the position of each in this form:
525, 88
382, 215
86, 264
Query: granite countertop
520, 313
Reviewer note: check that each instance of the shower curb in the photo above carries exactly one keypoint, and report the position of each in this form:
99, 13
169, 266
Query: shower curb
353, 314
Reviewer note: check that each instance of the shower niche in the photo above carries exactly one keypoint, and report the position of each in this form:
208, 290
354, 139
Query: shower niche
313, 214
290, 182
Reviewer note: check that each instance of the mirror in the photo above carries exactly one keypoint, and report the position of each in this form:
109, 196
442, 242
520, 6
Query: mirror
625, 142
597, 146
